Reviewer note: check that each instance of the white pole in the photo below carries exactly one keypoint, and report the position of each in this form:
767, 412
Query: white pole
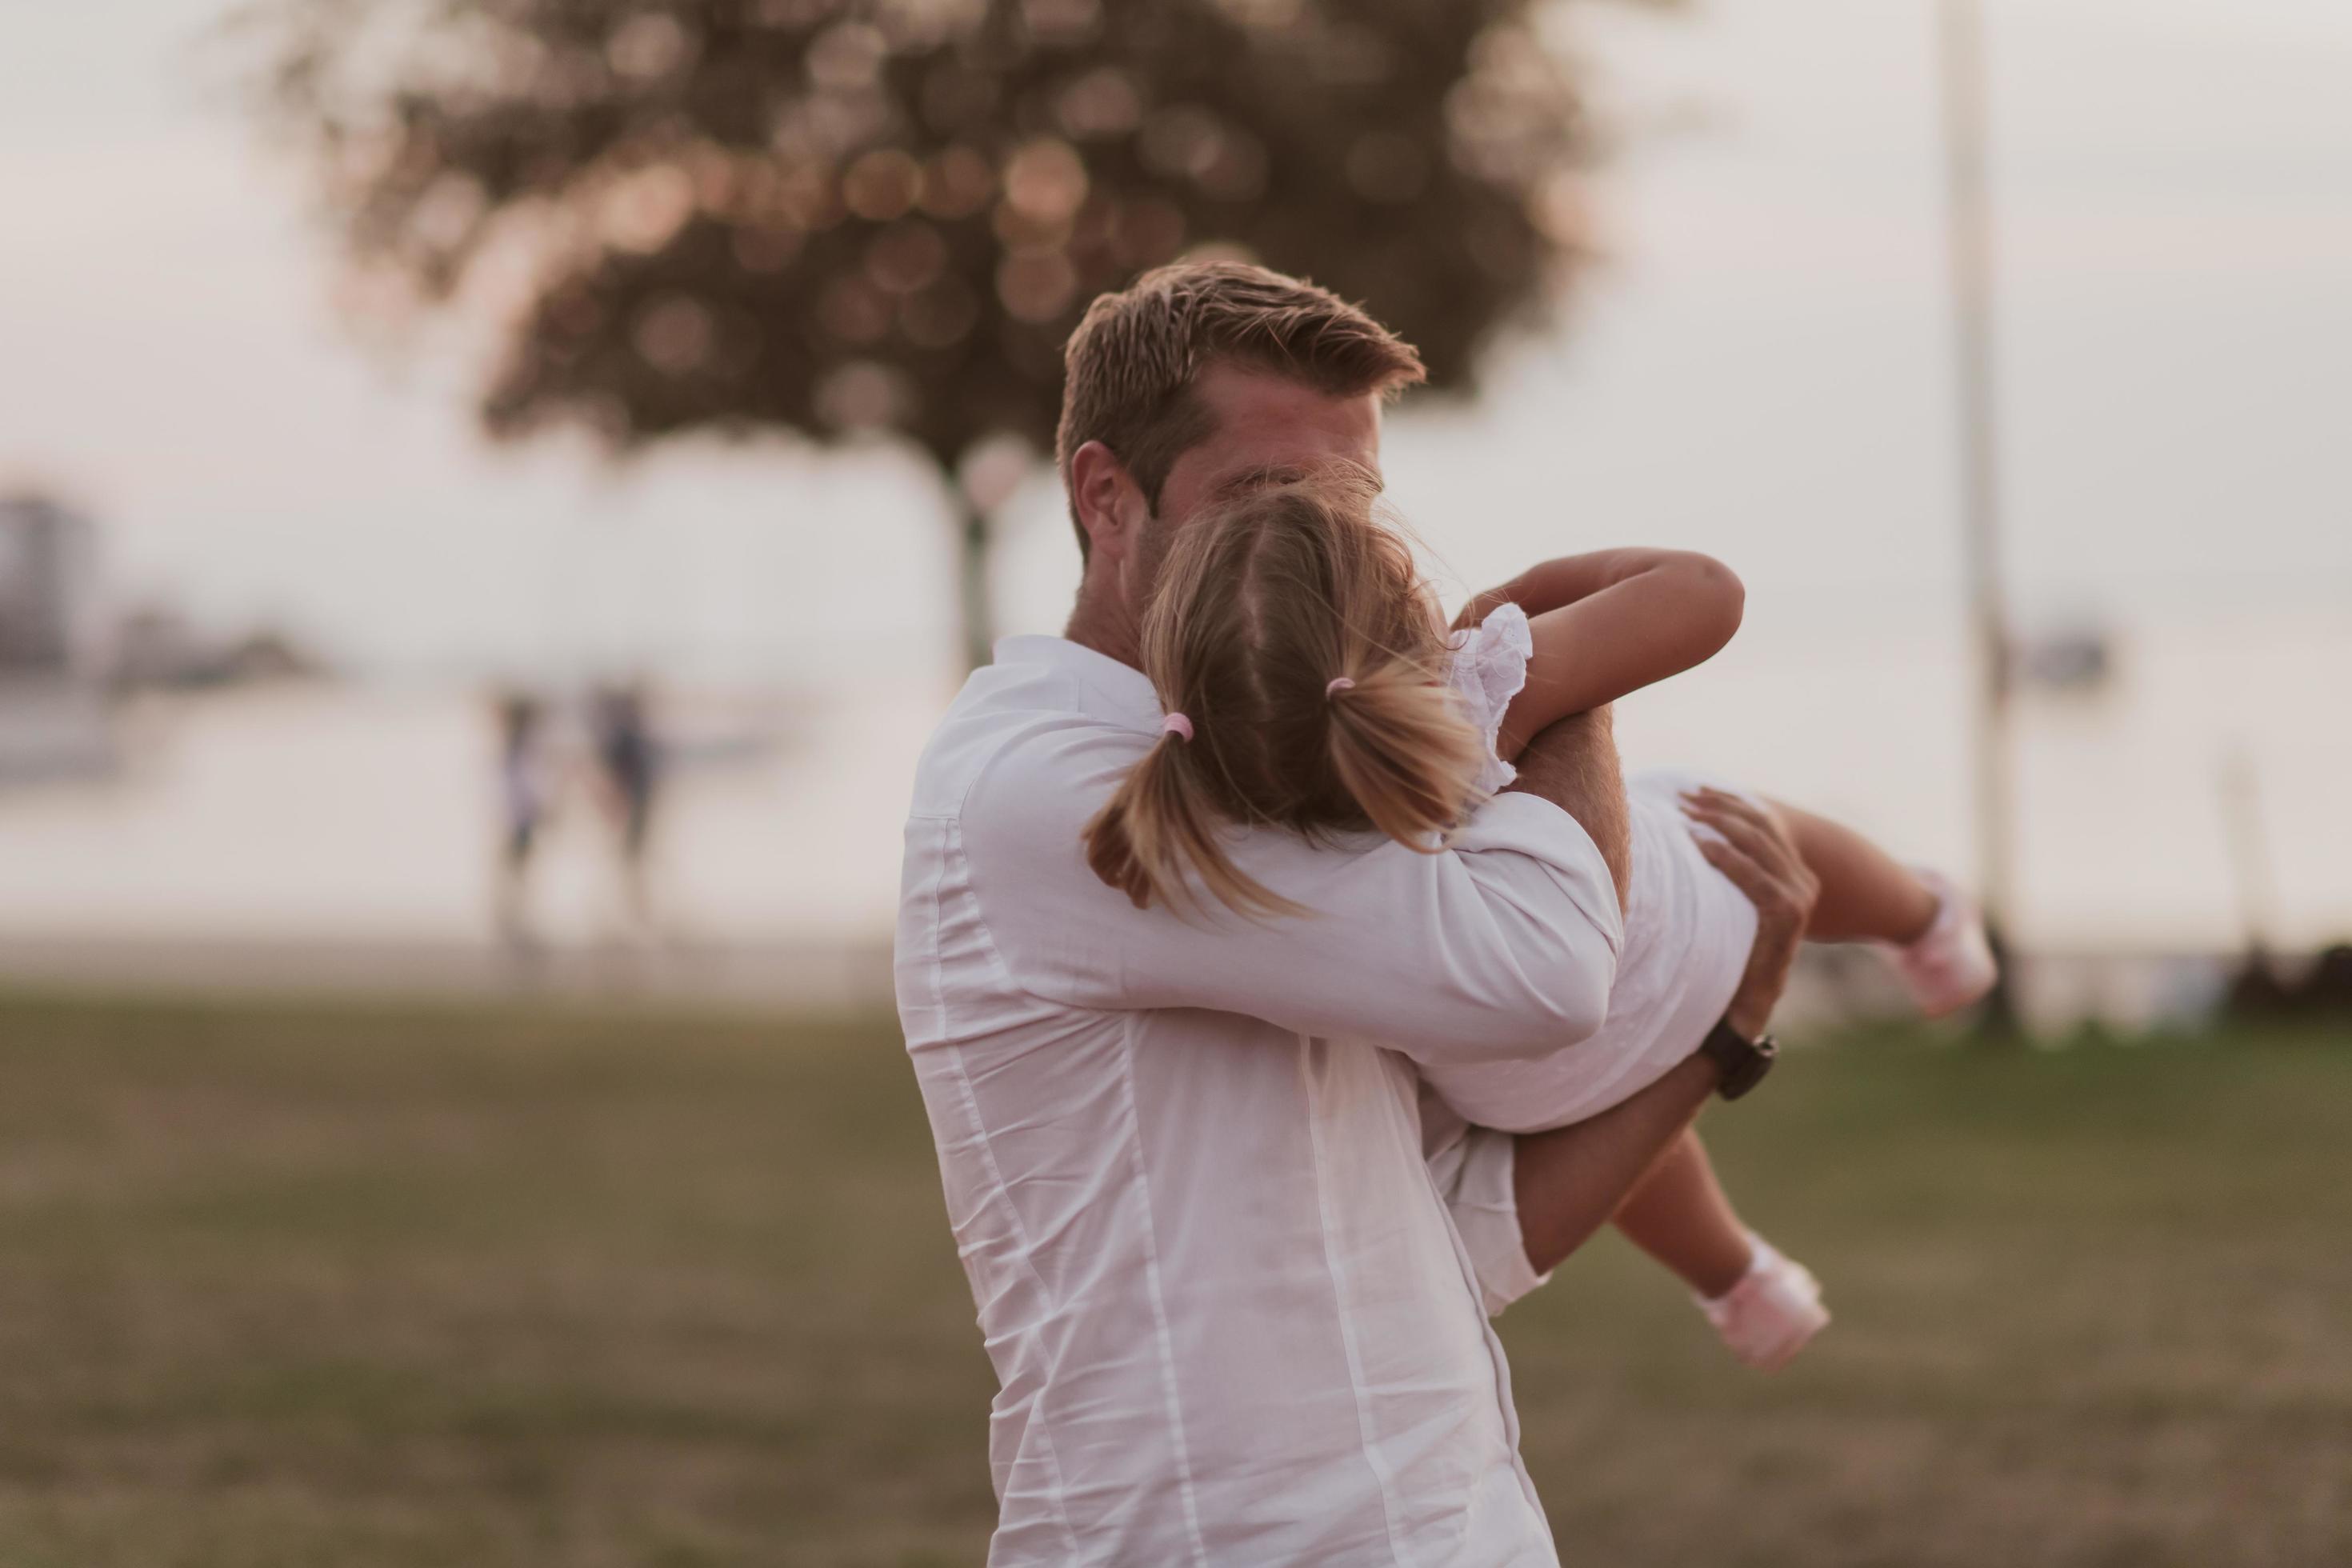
1969, 224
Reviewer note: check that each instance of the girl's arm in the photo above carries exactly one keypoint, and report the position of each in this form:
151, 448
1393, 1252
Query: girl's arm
1610, 623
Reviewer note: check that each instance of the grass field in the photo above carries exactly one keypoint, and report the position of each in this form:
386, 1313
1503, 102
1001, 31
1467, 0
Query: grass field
341, 1286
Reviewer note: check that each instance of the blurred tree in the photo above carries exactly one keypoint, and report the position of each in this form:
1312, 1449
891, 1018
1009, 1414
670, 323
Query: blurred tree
840, 218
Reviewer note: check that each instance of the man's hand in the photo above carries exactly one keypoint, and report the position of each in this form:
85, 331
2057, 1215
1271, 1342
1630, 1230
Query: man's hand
1757, 853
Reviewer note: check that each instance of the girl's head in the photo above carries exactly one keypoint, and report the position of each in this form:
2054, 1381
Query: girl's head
1292, 633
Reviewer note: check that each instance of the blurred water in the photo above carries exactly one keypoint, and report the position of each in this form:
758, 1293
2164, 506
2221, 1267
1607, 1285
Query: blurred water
354, 813
2123, 840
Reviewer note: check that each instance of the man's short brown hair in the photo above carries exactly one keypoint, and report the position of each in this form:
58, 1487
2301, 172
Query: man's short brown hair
1133, 360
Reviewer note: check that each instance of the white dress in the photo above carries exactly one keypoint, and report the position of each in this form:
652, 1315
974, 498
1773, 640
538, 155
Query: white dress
1687, 931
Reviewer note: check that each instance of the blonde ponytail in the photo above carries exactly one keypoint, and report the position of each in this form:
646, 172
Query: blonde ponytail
1157, 828
1302, 665
1402, 753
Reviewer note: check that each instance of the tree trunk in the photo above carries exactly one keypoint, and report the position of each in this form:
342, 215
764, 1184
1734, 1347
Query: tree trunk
1999, 1021
972, 538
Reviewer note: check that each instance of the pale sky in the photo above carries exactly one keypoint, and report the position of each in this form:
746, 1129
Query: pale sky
1762, 369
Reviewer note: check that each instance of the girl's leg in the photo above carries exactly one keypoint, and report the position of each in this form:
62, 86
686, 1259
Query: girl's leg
1678, 1215
1765, 1307
1866, 894
1934, 934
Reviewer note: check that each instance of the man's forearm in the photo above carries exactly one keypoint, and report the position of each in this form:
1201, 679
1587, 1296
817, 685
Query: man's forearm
1574, 764
1570, 1181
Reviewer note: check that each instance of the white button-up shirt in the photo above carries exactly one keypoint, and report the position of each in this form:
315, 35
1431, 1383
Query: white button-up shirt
1234, 1299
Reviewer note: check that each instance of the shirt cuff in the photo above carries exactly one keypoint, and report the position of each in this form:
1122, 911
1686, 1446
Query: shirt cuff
1525, 823
1472, 1167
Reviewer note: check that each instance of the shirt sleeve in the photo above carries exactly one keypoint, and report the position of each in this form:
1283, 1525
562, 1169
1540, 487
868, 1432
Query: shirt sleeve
1502, 945
1472, 1168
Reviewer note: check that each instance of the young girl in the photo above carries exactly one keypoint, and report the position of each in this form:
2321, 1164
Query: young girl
1311, 684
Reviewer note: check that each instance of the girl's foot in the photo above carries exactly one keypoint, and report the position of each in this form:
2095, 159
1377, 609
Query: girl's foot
1950, 965
1772, 1313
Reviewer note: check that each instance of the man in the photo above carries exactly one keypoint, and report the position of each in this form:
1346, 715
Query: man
1235, 1289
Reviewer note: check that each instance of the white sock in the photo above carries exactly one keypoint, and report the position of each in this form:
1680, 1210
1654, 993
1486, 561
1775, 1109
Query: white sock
1759, 1253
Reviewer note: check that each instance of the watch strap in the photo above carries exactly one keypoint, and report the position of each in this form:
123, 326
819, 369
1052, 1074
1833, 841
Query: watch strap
1741, 1063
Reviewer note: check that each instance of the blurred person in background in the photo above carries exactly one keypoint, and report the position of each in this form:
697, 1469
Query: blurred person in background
628, 768
1233, 1265
526, 791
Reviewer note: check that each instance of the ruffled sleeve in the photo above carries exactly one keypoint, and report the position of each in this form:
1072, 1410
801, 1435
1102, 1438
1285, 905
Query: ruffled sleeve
1490, 666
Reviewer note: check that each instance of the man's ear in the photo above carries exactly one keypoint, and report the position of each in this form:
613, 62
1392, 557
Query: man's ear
1109, 502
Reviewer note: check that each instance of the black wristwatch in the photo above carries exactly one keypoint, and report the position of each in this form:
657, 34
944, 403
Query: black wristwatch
1741, 1063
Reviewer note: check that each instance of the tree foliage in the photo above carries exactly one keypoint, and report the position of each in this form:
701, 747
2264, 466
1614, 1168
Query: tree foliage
834, 217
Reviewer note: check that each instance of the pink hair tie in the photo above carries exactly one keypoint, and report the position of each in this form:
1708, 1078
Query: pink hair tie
1337, 687
1176, 724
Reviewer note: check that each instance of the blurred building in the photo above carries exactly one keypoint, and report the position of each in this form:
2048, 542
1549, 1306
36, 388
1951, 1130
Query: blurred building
53, 711
48, 581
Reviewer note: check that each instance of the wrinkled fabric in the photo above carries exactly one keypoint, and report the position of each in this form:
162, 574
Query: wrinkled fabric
1233, 1316
1688, 930
1490, 668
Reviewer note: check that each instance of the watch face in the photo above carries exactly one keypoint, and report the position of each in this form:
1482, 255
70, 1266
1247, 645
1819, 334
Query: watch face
1741, 1063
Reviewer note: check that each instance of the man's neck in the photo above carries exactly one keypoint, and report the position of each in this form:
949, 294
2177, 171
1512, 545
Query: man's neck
1101, 625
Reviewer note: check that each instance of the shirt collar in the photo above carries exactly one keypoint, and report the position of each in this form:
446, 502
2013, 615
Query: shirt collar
1119, 692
